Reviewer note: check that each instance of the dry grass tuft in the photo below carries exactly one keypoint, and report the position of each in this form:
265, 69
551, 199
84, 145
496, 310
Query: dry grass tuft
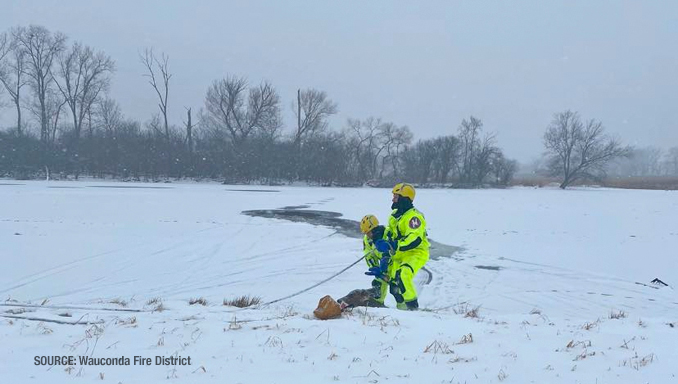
583, 355
287, 311
582, 343
234, 325
589, 326
637, 362
640, 182
437, 347
371, 319
461, 308
129, 322
172, 374
473, 313
90, 340
459, 359
466, 339
201, 368
156, 304
466, 309
201, 300
617, 315
635, 182
43, 329
274, 341
626, 343
502, 375
119, 302
154, 301
243, 301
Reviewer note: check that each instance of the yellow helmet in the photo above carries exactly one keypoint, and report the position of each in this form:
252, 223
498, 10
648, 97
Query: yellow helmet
405, 190
368, 223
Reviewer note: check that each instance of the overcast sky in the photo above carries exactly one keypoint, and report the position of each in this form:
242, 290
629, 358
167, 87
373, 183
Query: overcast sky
510, 63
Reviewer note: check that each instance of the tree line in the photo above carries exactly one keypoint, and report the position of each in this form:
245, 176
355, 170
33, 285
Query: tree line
67, 125
236, 136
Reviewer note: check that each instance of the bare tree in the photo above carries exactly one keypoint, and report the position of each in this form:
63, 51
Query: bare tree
312, 110
229, 106
418, 161
246, 115
155, 125
158, 77
264, 110
364, 139
641, 162
40, 48
325, 158
108, 116
482, 160
190, 126
84, 75
646, 161
670, 162
475, 153
4, 45
469, 133
397, 139
447, 156
579, 151
54, 106
157, 72
376, 148
503, 169
6, 48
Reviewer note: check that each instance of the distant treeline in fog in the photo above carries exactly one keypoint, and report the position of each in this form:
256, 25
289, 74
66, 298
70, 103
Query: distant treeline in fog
67, 125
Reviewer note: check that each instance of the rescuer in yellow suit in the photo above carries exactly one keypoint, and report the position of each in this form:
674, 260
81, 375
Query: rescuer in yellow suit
408, 246
372, 231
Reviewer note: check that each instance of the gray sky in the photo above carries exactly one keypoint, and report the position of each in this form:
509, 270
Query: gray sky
512, 64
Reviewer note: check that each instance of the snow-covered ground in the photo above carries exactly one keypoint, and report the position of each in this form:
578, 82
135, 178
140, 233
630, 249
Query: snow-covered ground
556, 291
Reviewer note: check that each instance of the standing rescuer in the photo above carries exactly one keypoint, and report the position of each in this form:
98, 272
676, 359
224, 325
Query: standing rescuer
409, 246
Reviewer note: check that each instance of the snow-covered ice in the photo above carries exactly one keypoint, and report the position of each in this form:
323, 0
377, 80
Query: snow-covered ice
554, 275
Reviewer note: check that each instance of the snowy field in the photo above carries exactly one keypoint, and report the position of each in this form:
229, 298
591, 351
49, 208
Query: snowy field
554, 276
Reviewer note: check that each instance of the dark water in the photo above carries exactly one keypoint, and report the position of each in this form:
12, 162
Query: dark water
126, 187
488, 267
349, 228
252, 190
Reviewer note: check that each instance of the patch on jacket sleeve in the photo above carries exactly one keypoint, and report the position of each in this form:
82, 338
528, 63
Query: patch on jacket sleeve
415, 223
